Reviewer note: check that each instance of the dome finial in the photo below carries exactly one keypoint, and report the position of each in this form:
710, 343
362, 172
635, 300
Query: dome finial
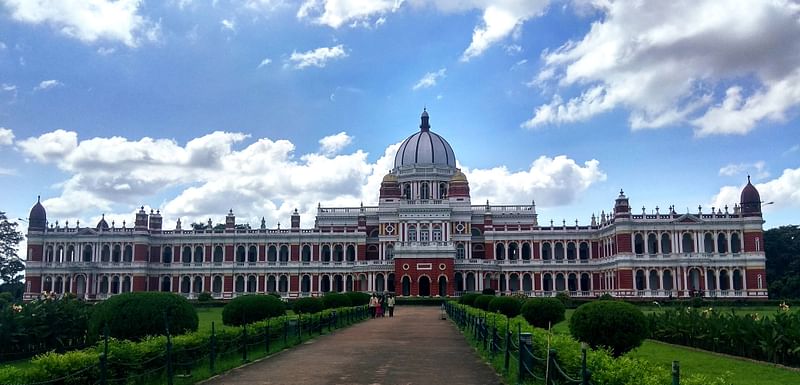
424, 125
748, 178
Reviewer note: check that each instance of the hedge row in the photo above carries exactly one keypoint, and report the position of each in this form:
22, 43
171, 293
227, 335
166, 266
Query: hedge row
604, 367
129, 359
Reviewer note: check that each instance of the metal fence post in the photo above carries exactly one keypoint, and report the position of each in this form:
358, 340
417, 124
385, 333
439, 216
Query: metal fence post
551, 364
676, 373
266, 337
244, 343
524, 344
213, 349
585, 373
285, 332
508, 348
299, 329
169, 349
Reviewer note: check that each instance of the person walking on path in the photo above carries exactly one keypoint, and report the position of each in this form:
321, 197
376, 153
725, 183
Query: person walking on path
384, 298
390, 305
379, 309
373, 305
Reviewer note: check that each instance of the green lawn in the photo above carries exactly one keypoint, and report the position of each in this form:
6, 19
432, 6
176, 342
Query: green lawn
208, 315
742, 371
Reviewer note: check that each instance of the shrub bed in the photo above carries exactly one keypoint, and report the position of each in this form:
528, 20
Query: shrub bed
774, 338
543, 312
358, 298
133, 316
616, 325
334, 300
483, 300
468, 299
418, 301
251, 308
308, 305
508, 306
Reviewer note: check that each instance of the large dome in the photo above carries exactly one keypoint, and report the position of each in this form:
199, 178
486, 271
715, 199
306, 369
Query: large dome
425, 147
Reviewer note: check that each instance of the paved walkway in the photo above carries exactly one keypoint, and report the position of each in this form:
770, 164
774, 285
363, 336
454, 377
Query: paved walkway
414, 347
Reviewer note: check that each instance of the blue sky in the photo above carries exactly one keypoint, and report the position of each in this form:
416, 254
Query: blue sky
196, 107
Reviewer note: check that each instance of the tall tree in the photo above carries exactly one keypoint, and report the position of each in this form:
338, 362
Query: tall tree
782, 249
10, 264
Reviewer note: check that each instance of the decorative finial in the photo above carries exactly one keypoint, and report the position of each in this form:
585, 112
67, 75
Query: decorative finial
748, 178
38, 199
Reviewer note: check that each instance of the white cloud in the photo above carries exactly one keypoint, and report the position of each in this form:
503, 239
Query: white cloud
264, 62
7, 171
759, 169
318, 57
6, 136
49, 147
501, 18
105, 51
9, 87
783, 190
551, 182
3, 46
332, 144
230, 25
47, 84
87, 20
430, 79
263, 178
662, 62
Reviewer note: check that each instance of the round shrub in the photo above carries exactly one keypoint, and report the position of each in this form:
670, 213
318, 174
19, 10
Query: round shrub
308, 305
334, 300
468, 299
357, 298
204, 297
488, 291
543, 312
251, 308
616, 325
482, 302
132, 316
508, 306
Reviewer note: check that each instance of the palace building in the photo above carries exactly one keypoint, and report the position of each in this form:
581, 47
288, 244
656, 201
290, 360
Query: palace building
424, 238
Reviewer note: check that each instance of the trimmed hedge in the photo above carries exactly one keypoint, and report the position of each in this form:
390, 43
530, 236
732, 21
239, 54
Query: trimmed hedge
308, 305
543, 312
482, 302
358, 298
468, 299
334, 300
508, 306
419, 301
616, 325
133, 316
251, 308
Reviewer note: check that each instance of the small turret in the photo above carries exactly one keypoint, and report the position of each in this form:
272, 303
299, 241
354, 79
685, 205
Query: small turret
37, 219
155, 220
750, 201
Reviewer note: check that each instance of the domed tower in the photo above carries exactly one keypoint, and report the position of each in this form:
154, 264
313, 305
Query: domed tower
37, 219
102, 224
750, 201
459, 186
424, 164
390, 188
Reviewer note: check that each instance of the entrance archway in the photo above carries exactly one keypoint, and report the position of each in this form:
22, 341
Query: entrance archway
406, 286
424, 286
442, 286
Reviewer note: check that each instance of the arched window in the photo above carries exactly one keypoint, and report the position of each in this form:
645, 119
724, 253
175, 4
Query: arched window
708, 243
126, 284
724, 280
711, 280
166, 254
216, 287
476, 232
198, 254
571, 252
406, 283
442, 190
737, 280
688, 243
166, 284
71, 253
283, 284
424, 236
638, 244
218, 254
559, 250
547, 252
186, 255
442, 286
325, 285
306, 254
722, 243
412, 233
547, 282
407, 191
338, 253
572, 282
667, 280
197, 286
105, 254
252, 284
104, 285
666, 244
460, 252
586, 282
283, 256
116, 254
654, 280
127, 255
513, 251
583, 251
252, 253
640, 280
760, 282
240, 284
526, 251
240, 253
115, 285
305, 284
326, 253
560, 283
652, 243
351, 253
527, 282
272, 284
437, 233
424, 192
87, 253
186, 285
500, 252
736, 243
272, 253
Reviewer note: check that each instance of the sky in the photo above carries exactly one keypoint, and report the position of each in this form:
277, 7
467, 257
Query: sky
263, 106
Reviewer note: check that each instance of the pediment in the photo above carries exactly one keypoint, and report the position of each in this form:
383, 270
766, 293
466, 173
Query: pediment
87, 231
688, 218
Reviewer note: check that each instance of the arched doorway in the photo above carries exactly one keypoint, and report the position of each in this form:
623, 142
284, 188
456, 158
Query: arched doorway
424, 286
442, 286
406, 286
80, 286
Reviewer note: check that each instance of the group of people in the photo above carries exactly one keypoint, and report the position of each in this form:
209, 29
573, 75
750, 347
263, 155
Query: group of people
380, 304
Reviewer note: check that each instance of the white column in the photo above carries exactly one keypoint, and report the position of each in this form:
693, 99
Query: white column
728, 237
743, 272
508, 288
716, 277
